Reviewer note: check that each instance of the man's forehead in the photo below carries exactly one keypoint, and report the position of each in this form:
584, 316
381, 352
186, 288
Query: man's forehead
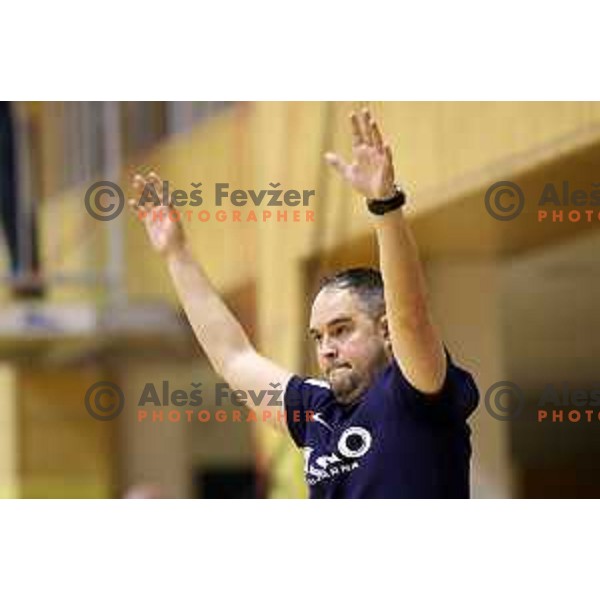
332, 305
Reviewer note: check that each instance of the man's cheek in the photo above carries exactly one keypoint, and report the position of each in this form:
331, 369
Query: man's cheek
351, 352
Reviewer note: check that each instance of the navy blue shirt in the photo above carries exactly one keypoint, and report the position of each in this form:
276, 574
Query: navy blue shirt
395, 442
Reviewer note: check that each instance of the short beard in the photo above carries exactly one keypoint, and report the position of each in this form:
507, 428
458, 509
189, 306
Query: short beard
349, 389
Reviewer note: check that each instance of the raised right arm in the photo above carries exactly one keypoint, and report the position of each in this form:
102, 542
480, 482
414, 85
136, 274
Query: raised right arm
218, 331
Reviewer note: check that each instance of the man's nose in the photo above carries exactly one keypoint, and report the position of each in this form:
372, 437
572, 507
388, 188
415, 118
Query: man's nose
328, 349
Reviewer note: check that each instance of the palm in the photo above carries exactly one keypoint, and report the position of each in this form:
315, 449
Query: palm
164, 231
371, 172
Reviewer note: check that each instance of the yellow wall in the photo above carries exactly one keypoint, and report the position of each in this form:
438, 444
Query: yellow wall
435, 145
64, 453
9, 451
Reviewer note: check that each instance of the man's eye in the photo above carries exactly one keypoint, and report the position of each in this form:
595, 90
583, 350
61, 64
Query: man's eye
340, 330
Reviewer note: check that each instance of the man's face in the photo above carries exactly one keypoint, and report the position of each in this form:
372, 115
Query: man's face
350, 344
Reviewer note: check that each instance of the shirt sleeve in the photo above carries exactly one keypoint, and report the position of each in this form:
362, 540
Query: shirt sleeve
304, 397
456, 401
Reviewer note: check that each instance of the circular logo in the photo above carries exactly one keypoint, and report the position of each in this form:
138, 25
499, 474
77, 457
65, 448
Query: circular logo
354, 442
101, 408
504, 400
504, 200
99, 207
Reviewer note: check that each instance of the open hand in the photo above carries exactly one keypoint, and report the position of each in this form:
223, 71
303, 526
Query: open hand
371, 172
165, 233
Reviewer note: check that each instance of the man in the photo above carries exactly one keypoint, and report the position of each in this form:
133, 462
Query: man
389, 421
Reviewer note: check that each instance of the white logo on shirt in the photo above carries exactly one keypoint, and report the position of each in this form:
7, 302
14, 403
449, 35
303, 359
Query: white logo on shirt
364, 442
354, 443
317, 418
319, 382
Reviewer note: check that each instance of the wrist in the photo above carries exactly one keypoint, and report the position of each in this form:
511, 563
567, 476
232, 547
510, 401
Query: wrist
394, 200
179, 253
385, 193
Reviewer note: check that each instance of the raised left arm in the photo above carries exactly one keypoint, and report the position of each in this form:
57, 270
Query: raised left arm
416, 344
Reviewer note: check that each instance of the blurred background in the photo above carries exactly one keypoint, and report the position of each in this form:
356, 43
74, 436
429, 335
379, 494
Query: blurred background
84, 301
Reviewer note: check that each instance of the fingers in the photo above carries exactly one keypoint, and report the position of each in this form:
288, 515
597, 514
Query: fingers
366, 126
337, 162
132, 205
138, 211
156, 181
376, 135
357, 134
388, 154
365, 130
138, 184
361, 131
148, 191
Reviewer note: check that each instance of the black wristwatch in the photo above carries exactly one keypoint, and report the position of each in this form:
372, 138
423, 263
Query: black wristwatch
381, 206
